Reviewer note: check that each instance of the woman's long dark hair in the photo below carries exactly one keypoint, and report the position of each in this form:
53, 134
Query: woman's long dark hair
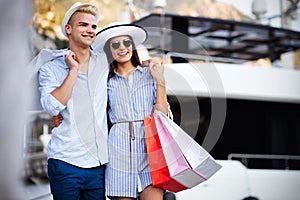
113, 64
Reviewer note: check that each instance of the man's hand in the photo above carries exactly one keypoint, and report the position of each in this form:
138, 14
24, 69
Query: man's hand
71, 60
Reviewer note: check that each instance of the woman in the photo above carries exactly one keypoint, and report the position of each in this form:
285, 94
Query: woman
133, 92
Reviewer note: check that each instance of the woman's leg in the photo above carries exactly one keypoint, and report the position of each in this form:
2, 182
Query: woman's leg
151, 193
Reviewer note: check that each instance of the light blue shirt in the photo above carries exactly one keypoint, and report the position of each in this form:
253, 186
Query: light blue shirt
81, 139
131, 99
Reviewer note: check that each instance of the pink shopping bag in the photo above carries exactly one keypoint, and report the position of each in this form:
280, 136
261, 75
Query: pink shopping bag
179, 168
159, 170
177, 144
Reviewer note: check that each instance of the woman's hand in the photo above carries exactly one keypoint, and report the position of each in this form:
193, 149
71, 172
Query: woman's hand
157, 71
56, 120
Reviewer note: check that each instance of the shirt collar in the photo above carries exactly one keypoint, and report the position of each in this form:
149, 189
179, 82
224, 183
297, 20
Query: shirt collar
92, 53
138, 68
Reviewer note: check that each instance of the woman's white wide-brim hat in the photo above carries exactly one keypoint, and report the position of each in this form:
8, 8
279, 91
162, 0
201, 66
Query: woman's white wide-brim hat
71, 11
137, 33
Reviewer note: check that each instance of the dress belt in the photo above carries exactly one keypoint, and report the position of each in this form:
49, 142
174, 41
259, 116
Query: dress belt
131, 135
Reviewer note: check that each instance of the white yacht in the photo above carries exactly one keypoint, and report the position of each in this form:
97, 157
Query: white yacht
234, 87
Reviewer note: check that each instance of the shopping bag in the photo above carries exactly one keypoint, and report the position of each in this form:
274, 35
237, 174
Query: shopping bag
158, 166
178, 167
197, 157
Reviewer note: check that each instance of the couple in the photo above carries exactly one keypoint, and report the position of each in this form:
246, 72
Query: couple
78, 86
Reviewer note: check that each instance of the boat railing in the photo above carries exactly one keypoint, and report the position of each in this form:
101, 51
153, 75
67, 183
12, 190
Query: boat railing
205, 58
267, 160
36, 166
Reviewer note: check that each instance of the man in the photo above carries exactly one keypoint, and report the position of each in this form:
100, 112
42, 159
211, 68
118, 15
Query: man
74, 86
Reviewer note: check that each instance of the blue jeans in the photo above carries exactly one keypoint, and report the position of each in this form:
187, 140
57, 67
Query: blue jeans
68, 182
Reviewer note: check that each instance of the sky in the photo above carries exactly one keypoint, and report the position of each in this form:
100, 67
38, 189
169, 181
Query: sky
273, 8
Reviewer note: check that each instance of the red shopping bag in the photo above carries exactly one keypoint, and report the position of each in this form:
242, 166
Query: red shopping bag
158, 166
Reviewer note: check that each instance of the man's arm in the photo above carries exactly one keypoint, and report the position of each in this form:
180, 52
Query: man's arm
64, 92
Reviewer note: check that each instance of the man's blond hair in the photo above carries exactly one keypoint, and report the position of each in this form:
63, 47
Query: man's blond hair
90, 9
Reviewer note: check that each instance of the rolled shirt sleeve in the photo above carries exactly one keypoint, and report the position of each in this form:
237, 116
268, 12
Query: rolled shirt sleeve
51, 76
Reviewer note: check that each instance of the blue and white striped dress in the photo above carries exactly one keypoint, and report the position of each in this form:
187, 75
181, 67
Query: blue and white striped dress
128, 171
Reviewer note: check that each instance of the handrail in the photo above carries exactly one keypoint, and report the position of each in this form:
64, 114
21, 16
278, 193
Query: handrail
245, 157
263, 156
205, 58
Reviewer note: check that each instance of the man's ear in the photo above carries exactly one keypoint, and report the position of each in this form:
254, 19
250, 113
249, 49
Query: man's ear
68, 29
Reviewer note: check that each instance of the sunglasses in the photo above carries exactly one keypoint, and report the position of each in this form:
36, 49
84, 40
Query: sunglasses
127, 43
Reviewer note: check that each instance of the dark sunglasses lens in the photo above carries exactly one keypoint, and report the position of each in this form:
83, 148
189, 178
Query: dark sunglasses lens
115, 45
127, 43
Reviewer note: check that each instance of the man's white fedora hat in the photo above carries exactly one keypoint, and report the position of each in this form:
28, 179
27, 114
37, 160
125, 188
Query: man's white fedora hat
71, 11
137, 33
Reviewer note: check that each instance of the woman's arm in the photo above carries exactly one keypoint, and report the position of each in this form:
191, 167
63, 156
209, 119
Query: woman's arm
157, 71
